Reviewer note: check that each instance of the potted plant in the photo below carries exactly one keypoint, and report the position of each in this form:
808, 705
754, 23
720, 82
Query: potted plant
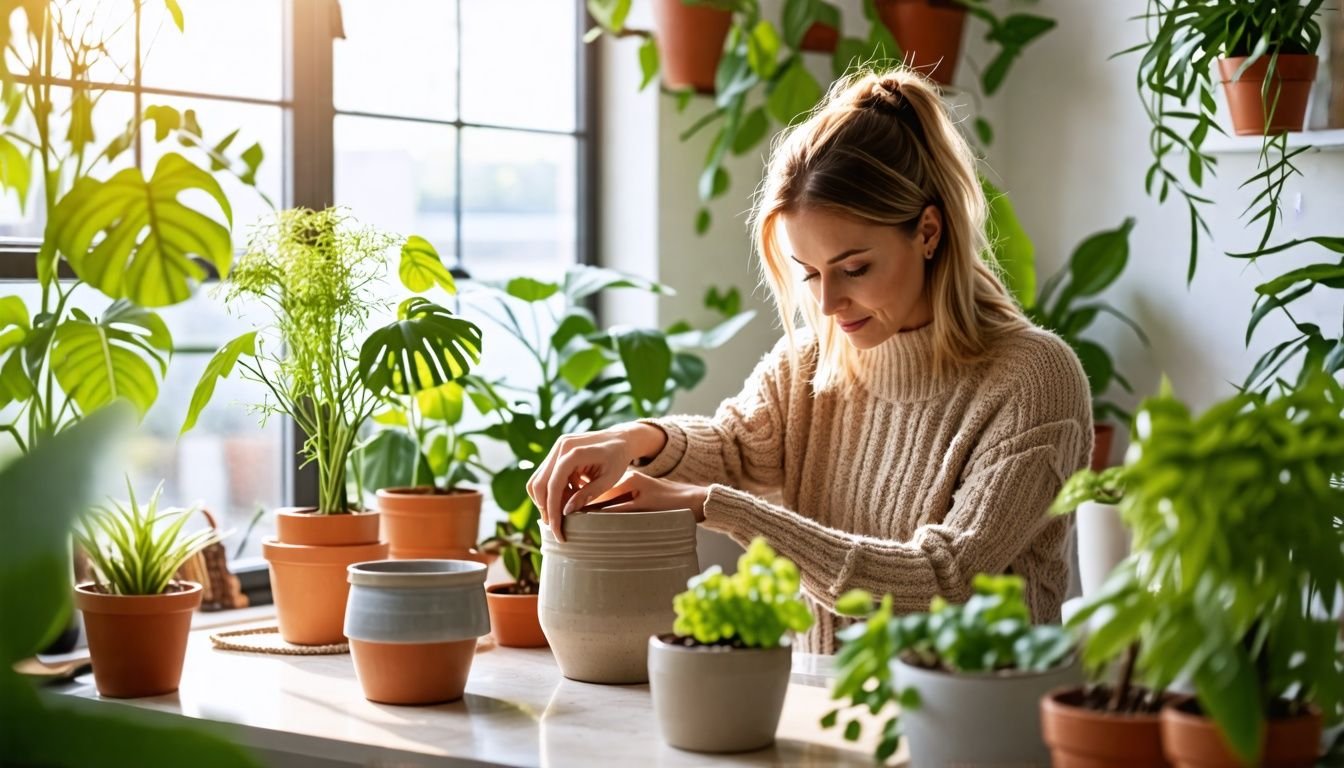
1067, 306
1103, 540
315, 273
586, 378
414, 365
1238, 559
977, 668
136, 613
718, 679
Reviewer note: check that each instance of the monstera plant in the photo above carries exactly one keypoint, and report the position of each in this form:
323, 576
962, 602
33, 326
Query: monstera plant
143, 243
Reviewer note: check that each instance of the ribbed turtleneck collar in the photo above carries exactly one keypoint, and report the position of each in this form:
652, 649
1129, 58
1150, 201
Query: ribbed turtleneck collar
901, 369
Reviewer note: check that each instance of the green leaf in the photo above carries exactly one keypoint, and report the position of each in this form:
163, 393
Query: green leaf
96, 363
165, 119
583, 366
574, 325
1096, 364
713, 182
648, 62
611, 14
763, 49
219, 367
702, 221
798, 17
687, 370
828, 720
1010, 246
583, 281
850, 52
16, 172
752, 130
421, 268
510, 488
855, 602
251, 157
795, 93
1231, 697
530, 290
647, 360
150, 241
389, 459
853, 730
425, 347
1098, 261
1316, 273
442, 403
176, 11
984, 131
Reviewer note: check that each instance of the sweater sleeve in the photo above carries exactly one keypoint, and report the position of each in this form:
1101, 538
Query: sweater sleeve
742, 444
1000, 506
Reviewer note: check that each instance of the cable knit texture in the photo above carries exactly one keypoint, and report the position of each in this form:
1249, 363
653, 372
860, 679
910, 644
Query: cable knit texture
910, 485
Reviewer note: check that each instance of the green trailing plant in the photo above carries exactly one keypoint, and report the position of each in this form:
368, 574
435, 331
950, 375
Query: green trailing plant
1068, 305
991, 632
108, 227
1237, 558
585, 378
1184, 38
756, 607
762, 81
137, 550
1105, 487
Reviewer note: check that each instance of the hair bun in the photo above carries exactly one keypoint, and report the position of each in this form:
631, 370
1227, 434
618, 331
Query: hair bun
885, 95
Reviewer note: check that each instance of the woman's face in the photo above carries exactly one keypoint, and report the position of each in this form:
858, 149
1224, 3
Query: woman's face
868, 278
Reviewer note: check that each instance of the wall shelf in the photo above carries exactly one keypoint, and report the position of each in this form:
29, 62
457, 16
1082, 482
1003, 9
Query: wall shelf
1324, 140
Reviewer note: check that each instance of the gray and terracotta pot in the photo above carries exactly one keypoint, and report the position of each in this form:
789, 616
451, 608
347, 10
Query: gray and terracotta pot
609, 587
717, 699
413, 626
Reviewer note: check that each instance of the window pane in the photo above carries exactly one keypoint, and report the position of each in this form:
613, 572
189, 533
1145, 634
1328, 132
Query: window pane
398, 176
397, 58
93, 23
232, 48
255, 124
519, 74
518, 203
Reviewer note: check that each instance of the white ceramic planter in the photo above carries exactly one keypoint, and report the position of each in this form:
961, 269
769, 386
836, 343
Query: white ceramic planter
717, 699
609, 586
1103, 541
983, 719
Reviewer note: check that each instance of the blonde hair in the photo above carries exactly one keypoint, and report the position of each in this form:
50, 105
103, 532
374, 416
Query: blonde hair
880, 148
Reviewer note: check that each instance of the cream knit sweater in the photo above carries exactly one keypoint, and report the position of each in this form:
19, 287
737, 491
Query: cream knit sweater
911, 485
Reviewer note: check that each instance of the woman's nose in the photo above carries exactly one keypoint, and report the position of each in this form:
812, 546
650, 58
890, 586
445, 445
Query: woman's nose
831, 297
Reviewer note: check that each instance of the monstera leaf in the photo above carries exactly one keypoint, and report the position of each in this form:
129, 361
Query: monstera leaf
425, 347
150, 242
421, 268
98, 362
14, 329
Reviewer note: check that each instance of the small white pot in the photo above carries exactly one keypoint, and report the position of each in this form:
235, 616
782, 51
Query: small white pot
980, 719
1103, 541
716, 699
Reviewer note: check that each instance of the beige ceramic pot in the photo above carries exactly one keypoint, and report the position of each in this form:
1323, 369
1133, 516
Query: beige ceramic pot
717, 699
609, 587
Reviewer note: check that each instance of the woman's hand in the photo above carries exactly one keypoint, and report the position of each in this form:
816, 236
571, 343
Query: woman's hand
580, 468
638, 492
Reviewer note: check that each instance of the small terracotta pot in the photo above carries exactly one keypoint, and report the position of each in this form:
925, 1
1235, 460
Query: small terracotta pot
1193, 741
1294, 74
820, 38
1079, 737
1103, 435
426, 523
513, 618
929, 33
137, 643
310, 589
413, 626
302, 525
690, 43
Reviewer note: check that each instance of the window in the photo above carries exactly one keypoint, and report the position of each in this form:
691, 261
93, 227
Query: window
444, 118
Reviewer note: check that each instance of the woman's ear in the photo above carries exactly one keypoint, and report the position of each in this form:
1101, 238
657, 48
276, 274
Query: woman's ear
930, 229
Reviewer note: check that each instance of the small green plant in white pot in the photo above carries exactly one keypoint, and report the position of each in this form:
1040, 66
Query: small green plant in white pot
1103, 539
976, 668
136, 613
719, 679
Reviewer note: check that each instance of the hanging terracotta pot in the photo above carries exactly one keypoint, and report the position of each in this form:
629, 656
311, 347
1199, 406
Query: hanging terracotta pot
929, 33
1103, 435
820, 38
690, 43
427, 523
1193, 741
1079, 737
1293, 77
137, 642
513, 617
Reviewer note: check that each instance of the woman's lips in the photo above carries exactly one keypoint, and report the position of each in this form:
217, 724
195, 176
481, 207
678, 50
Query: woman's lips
854, 326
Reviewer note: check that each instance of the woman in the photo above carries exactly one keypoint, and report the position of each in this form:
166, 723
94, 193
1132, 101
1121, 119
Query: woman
917, 427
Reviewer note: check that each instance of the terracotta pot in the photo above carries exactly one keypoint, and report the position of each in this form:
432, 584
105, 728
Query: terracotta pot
609, 586
690, 43
1079, 737
513, 618
1294, 74
929, 33
427, 523
821, 38
1103, 541
310, 589
1001, 709
1103, 435
1193, 741
413, 626
718, 699
137, 643
302, 525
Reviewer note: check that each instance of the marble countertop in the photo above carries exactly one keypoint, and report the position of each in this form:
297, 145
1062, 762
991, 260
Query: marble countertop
518, 711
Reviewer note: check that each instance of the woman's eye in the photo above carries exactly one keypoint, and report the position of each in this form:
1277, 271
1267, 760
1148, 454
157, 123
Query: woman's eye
856, 272
810, 276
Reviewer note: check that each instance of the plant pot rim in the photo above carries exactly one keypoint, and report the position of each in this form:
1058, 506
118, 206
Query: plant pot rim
426, 490
90, 588
496, 590
1177, 709
999, 674
1054, 700
423, 573
657, 642
316, 554
312, 513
